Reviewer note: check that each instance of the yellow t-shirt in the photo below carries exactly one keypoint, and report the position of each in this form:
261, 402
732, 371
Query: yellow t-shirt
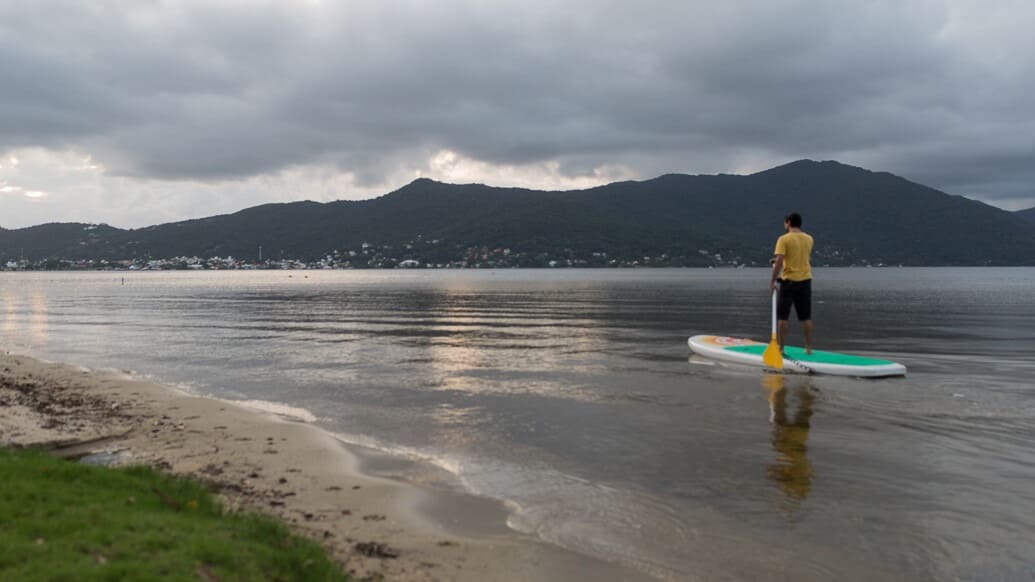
796, 247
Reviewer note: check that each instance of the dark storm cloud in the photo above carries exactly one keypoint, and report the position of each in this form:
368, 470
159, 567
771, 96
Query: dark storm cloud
936, 91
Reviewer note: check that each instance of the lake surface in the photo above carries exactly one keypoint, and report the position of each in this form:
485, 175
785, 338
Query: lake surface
569, 394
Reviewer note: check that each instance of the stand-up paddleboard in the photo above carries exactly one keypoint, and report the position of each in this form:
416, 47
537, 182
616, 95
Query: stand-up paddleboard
795, 360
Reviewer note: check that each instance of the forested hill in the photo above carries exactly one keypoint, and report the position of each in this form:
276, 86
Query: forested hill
1028, 214
857, 217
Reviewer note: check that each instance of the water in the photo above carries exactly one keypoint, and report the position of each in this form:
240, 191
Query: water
570, 395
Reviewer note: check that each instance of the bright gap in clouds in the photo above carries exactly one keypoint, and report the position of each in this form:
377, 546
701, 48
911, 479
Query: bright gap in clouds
449, 166
43, 185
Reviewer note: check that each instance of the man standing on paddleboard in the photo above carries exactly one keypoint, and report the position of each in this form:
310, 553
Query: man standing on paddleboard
793, 253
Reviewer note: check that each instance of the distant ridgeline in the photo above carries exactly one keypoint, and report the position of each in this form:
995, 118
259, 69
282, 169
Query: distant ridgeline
1028, 214
858, 218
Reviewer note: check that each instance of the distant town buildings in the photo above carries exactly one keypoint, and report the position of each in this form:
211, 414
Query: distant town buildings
416, 254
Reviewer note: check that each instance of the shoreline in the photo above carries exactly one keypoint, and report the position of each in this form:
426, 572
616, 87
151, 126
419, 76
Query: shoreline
290, 469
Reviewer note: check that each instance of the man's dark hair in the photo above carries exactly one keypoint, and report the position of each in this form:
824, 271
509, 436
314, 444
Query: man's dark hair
794, 219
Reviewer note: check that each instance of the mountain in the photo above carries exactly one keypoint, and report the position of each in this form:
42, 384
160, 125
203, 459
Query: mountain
1028, 214
857, 217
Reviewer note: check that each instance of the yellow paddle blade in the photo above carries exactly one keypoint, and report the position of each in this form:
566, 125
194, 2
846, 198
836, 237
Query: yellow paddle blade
771, 356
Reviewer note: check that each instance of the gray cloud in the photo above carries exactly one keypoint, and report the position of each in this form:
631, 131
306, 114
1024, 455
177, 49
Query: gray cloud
210, 92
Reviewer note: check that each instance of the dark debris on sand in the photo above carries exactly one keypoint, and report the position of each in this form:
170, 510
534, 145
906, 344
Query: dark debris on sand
375, 550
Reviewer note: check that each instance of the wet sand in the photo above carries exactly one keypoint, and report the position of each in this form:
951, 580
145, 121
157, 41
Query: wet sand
281, 466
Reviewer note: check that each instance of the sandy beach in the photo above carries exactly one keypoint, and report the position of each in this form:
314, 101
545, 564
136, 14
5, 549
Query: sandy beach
279, 465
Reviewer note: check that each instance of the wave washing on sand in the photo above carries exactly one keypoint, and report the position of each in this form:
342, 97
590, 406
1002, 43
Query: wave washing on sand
558, 508
277, 409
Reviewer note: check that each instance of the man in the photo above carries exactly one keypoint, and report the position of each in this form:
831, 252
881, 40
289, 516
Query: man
793, 253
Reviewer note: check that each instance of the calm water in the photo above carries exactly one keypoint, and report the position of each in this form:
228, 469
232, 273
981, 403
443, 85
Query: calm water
570, 395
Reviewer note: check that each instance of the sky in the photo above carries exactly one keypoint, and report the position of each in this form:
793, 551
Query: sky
139, 112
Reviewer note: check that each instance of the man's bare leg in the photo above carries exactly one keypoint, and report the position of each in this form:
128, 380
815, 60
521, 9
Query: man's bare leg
806, 326
781, 333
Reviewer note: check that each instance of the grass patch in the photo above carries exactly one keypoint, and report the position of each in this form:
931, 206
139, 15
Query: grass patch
67, 521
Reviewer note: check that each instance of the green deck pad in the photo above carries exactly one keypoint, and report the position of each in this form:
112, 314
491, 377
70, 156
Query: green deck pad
817, 356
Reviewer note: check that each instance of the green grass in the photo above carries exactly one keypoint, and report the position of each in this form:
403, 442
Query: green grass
61, 520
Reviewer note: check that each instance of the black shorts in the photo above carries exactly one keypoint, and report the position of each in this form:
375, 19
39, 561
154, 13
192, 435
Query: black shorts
798, 294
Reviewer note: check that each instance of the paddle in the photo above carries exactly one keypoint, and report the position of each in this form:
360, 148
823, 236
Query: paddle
772, 356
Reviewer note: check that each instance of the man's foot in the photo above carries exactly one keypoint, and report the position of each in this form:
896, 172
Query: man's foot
808, 350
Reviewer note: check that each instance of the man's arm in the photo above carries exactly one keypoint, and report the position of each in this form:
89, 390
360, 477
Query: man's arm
777, 267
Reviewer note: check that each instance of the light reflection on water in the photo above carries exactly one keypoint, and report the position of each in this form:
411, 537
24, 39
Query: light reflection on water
570, 395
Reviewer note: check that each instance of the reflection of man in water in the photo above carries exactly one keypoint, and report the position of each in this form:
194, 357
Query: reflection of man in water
792, 469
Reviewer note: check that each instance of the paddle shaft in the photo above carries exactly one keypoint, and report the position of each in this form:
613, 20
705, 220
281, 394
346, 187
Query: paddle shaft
775, 292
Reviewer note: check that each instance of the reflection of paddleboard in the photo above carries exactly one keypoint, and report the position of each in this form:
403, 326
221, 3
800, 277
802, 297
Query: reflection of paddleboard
749, 352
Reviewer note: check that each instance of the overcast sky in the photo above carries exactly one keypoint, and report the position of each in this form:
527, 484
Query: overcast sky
138, 112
